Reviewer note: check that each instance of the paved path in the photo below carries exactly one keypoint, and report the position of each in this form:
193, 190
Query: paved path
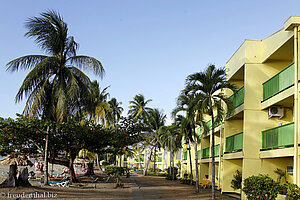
153, 187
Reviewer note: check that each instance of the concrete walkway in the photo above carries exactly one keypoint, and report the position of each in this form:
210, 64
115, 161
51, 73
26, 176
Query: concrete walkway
154, 187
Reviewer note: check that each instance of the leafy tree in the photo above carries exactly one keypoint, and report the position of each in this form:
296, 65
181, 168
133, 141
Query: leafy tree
205, 86
26, 135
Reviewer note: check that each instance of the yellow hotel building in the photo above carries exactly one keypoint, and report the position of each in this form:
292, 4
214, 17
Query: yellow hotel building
263, 132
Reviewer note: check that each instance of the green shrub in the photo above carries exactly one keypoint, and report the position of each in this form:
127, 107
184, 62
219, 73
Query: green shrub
186, 181
237, 180
261, 187
175, 168
104, 163
111, 169
293, 192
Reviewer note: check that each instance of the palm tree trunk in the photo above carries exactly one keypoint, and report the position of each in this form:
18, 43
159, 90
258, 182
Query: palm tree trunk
140, 166
97, 160
213, 156
173, 173
196, 165
154, 159
148, 161
191, 166
171, 159
46, 156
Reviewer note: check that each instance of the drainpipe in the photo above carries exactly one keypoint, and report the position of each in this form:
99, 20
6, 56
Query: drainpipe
296, 60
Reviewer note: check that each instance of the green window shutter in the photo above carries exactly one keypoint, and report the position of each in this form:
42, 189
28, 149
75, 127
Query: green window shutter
238, 141
286, 135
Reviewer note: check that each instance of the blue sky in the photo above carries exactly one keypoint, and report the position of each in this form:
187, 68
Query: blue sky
147, 47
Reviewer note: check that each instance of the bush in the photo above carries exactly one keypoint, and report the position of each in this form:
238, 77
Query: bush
170, 177
111, 169
105, 163
260, 187
237, 180
175, 168
187, 181
293, 192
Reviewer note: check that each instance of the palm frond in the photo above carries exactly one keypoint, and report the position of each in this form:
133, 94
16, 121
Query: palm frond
24, 62
88, 63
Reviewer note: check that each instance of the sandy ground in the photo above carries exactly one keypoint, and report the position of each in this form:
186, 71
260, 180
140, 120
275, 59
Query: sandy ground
137, 187
153, 187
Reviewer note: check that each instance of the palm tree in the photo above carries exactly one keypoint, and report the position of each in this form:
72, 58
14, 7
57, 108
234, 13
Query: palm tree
157, 119
55, 87
115, 111
99, 108
205, 86
170, 137
185, 102
184, 125
138, 109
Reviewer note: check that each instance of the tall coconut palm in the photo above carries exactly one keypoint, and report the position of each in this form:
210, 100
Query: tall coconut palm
184, 125
115, 111
55, 87
206, 87
99, 107
170, 137
138, 109
185, 103
157, 119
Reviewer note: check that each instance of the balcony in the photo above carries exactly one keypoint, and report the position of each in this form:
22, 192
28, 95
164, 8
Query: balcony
279, 82
237, 98
206, 153
278, 137
234, 143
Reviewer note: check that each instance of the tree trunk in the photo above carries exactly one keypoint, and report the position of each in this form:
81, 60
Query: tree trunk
191, 166
196, 165
148, 161
97, 160
23, 178
71, 167
120, 160
11, 180
140, 165
170, 170
90, 169
46, 175
173, 167
154, 159
213, 156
